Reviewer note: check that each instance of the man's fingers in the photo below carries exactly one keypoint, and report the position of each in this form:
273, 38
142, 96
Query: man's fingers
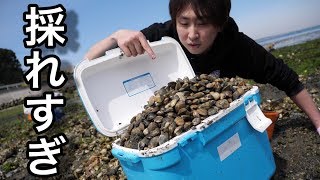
135, 46
138, 47
147, 47
132, 50
126, 50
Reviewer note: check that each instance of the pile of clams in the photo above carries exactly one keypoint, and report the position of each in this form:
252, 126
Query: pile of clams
180, 106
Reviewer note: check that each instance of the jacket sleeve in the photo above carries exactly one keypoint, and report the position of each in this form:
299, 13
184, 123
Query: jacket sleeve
158, 30
263, 67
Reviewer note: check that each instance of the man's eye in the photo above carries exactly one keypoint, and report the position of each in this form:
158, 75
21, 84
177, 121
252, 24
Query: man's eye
183, 23
201, 23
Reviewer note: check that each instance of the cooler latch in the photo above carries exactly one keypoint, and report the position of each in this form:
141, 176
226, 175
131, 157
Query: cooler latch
255, 116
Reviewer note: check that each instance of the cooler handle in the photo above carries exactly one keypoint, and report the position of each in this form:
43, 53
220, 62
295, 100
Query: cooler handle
188, 137
125, 156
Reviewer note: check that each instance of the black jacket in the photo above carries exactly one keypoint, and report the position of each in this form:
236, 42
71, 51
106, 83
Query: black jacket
235, 54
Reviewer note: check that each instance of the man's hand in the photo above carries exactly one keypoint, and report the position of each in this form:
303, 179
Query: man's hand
305, 103
132, 43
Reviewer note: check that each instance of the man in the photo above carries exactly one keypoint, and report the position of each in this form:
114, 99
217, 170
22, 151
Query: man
213, 45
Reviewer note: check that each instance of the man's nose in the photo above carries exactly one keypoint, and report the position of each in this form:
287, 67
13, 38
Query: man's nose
193, 33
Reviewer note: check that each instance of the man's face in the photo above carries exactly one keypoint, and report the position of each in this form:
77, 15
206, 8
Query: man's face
196, 34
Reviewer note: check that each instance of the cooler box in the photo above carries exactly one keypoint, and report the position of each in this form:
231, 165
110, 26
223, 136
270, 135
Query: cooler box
232, 144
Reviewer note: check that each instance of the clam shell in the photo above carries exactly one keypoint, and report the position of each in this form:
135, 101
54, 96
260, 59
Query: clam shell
179, 121
179, 107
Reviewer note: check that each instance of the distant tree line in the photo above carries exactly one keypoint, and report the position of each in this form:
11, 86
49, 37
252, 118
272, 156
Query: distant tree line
10, 68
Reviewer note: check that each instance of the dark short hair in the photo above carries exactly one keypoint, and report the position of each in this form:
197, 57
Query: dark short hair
215, 12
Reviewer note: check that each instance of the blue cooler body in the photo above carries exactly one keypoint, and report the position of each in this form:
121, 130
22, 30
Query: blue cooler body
232, 144
227, 149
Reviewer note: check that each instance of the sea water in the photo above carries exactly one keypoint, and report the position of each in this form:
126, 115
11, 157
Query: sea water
291, 38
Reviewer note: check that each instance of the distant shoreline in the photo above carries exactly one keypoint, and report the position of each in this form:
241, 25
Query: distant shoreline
291, 38
288, 33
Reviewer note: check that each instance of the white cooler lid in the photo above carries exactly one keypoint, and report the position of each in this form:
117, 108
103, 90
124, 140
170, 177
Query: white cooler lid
115, 88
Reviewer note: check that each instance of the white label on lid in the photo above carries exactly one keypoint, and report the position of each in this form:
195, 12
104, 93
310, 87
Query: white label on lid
229, 146
138, 84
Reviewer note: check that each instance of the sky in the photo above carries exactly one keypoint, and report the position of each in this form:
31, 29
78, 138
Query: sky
94, 20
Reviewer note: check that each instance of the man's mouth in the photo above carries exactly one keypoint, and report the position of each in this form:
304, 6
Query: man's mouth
194, 45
